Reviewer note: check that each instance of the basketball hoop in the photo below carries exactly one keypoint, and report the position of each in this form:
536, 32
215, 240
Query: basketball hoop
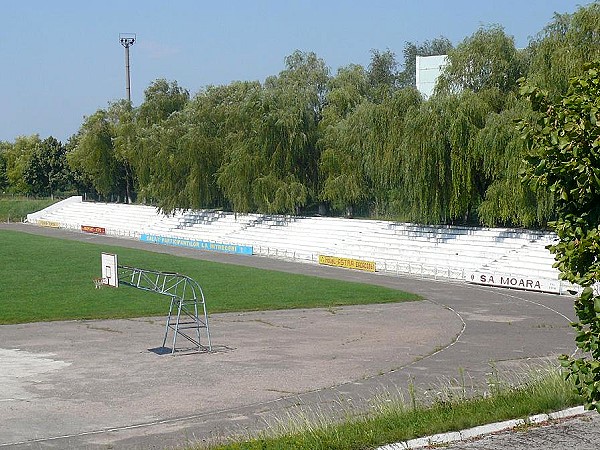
185, 294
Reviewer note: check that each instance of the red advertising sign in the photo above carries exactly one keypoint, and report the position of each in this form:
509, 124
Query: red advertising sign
91, 229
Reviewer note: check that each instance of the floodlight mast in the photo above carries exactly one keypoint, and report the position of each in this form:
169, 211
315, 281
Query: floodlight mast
127, 40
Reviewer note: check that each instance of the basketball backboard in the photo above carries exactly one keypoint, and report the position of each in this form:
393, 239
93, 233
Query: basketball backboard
109, 270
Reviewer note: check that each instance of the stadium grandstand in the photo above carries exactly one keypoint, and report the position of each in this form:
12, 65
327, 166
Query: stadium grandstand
504, 257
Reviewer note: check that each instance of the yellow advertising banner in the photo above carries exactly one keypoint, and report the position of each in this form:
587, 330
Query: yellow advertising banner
347, 263
48, 223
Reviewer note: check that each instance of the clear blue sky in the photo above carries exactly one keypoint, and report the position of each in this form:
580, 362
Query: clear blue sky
61, 60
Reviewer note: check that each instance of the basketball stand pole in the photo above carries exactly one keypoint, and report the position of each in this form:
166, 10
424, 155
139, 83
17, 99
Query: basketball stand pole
186, 294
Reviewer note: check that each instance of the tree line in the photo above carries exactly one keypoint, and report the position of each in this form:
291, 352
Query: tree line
362, 141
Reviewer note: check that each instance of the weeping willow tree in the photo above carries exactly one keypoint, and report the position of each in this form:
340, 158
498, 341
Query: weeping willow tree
167, 165
452, 156
202, 148
340, 170
126, 144
235, 111
161, 99
343, 185
382, 157
293, 104
186, 150
269, 134
200, 154
361, 160
342, 165
361, 130
560, 51
502, 150
485, 60
286, 149
244, 146
441, 171
425, 170
345, 91
467, 186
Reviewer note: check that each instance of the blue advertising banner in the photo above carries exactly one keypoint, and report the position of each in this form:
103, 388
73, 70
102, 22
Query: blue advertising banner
198, 245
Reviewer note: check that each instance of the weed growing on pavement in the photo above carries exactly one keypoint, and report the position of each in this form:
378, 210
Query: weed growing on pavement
393, 418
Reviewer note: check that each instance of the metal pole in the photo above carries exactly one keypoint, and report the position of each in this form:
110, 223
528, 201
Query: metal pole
128, 87
127, 40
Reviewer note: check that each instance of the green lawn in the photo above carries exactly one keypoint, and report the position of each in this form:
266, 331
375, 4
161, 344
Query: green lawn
52, 279
15, 209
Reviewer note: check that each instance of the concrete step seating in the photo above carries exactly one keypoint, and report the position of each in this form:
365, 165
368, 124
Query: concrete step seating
532, 260
216, 226
444, 251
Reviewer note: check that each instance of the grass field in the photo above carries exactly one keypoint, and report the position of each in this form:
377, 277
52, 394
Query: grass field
46, 279
15, 209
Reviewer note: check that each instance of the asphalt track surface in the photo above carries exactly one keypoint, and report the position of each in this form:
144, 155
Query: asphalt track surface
102, 384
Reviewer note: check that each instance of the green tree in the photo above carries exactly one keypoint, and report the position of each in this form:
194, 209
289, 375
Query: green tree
140, 132
346, 90
507, 201
441, 169
340, 172
161, 99
183, 154
239, 110
81, 181
342, 161
564, 139
292, 106
4, 146
487, 59
126, 129
94, 155
360, 164
47, 170
382, 74
17, 157
562, 48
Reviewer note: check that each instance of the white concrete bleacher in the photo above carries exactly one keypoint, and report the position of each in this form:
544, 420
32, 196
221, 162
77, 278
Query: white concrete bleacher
116, 219
444, 252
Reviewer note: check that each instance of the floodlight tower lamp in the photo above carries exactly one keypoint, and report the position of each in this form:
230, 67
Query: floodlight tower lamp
127, 40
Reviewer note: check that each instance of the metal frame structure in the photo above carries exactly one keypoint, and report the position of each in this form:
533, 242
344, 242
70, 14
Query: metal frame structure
186, 295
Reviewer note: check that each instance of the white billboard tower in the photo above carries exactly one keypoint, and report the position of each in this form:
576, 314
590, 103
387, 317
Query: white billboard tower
428, 69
